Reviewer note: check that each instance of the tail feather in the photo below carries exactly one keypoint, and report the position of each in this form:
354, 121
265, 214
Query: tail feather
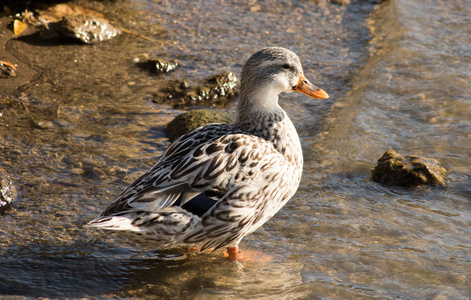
113, 223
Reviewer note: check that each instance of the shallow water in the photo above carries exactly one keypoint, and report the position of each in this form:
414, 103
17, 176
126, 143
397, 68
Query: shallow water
82, 126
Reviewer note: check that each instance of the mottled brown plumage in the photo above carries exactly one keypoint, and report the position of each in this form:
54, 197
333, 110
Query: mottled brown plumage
221, 182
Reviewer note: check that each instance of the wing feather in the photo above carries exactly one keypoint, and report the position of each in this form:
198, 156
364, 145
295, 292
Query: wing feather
193, 165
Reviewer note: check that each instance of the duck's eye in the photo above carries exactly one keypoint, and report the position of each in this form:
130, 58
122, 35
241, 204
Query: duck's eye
286, 66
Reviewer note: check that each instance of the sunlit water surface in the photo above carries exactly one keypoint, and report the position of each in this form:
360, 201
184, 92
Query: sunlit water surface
398, 76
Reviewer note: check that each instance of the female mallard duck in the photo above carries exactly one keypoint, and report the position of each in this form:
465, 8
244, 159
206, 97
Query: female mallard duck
221, 182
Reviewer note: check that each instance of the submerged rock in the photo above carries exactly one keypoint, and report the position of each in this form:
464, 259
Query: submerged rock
159, 65
215, 90
193, 119
8, 191
393, 169
86, 29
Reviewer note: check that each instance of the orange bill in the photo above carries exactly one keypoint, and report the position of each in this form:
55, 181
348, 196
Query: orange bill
305, 87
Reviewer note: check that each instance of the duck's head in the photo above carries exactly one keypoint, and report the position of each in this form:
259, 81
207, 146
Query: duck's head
271, 71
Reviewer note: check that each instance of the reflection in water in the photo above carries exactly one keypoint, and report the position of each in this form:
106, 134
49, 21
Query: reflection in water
398, 75
207, 277
94, 268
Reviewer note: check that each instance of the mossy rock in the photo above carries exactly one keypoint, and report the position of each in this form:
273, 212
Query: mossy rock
410, 171
193, 119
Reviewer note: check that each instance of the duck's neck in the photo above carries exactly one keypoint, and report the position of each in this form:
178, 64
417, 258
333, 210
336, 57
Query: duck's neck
263, 102
264, 118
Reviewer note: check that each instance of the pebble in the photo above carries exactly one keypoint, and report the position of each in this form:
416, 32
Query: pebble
7, 69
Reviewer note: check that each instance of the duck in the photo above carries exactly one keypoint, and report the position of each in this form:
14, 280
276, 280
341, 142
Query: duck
215, 185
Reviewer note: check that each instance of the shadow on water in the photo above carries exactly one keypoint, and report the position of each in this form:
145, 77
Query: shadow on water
94, 268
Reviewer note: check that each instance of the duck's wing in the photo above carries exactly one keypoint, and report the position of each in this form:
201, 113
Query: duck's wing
190, 169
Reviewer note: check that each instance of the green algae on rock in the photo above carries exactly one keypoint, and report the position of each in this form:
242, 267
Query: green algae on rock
393, 169
193, 119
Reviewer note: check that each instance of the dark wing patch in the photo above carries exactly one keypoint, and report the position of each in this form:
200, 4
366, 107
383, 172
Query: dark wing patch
201, 203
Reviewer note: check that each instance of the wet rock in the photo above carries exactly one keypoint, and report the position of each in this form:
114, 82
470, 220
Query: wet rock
93, 172
159, 65
73, 161
92, 168
42, 124
7, 69
215, 90
76, 171
8, 191
86, 29
193, 119
393, 169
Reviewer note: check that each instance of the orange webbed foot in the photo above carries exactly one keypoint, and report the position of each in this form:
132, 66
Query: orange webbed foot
246, 255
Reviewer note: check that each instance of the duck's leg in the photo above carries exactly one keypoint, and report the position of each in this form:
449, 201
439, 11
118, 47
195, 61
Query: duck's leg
233, 253
246, 255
